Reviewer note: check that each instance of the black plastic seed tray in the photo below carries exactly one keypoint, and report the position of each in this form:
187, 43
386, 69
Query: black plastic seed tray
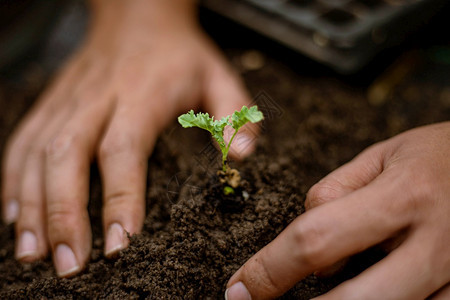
344, 34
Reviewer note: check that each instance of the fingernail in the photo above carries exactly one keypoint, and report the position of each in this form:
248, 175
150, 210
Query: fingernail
65, 260
237, 291
11, 211
116, 239
27, 245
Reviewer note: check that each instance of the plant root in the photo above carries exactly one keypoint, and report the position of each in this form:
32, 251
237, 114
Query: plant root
232, 177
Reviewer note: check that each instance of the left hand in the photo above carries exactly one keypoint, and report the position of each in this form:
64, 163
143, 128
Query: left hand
143, 63
401, 185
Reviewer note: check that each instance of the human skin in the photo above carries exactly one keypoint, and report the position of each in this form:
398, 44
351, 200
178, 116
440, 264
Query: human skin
397, 190
143, 63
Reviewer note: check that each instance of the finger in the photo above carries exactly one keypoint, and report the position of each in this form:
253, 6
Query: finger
224, 94
386, 246
31, 242
333, 269
123, 156
409, 272
31, 224
441, 294
355, 174
68, 158
346, 226
20, 142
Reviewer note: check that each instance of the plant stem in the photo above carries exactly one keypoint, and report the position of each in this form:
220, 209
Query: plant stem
225, 153
224, 162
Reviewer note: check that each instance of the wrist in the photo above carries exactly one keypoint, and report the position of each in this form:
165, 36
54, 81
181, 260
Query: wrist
154, 11
114, 22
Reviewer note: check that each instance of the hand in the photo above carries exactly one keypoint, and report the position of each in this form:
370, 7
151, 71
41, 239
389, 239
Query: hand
398, 189
143, 63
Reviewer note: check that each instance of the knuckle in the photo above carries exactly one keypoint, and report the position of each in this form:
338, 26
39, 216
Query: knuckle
119, 198
426, 182
30, 214
60, 146
419, 185
311, 242
29, 202
124, 205
118, 202
116, 146
320, 193
267, 281
60, 213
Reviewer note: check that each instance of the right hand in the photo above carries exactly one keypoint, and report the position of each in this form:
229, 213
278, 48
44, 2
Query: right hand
143, 63
395, 191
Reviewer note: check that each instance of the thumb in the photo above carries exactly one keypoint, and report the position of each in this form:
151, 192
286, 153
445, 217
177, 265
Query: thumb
225, 93
352, 176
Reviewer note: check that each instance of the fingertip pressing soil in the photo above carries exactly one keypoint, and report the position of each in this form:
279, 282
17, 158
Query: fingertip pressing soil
194, 238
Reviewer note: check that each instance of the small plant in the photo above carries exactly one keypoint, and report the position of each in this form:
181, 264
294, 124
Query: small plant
216, 128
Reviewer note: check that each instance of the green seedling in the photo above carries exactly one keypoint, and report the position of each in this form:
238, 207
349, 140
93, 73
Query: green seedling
217, 127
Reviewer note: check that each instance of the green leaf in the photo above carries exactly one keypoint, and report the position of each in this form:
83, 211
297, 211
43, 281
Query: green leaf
204, 121
201, 120
245, 115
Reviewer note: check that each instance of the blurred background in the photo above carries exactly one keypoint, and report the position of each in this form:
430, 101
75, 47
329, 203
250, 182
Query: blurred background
344, 35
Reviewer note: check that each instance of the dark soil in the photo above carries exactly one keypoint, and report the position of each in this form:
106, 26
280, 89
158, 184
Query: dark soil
194, 238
